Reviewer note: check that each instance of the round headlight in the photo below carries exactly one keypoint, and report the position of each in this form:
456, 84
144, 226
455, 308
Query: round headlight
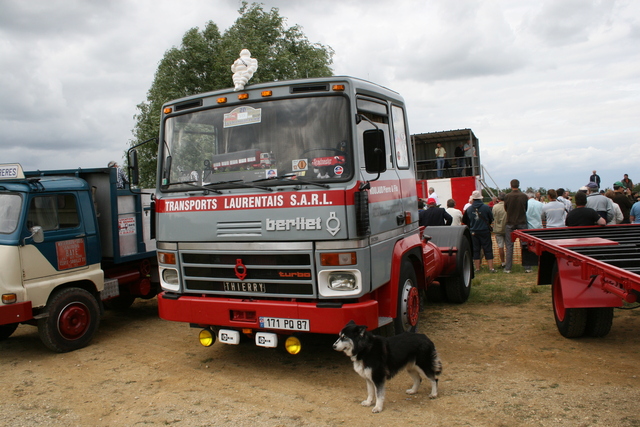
207, 337
293, 345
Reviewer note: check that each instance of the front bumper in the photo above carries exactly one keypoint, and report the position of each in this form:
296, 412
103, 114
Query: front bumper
212, 311
15, 313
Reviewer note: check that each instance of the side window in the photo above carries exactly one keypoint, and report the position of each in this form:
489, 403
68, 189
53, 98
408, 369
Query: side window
400, 137
53, 212
375, 115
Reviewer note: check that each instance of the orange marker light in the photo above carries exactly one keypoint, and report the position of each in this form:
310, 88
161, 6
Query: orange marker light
166, 258
168, 110
267, 93
243, 96
338, 88
340, 258
222, 100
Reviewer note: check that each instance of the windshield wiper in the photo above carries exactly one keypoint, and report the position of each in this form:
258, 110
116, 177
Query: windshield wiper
283, 180
239, 183
194, 185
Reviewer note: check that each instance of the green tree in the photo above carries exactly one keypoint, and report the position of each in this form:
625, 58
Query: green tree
203, 63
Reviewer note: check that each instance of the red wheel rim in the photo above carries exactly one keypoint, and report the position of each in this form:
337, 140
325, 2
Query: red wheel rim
413, 306
74, 320
558, 302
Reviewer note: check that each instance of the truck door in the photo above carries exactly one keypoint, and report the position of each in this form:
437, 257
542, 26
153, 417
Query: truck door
65, 244
386, 210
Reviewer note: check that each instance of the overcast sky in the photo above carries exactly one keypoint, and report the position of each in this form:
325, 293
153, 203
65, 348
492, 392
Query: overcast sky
551, 88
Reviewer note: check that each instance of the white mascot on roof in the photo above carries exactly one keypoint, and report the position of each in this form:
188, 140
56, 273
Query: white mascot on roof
243, 69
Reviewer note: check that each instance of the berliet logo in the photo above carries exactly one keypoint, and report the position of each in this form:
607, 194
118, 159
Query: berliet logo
304, 224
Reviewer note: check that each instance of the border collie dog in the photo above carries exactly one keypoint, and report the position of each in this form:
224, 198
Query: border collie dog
378, 359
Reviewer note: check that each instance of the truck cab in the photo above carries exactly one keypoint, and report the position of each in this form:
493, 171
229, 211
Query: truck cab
59, 261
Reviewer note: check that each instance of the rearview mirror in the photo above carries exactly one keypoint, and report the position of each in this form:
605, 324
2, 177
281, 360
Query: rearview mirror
375, 155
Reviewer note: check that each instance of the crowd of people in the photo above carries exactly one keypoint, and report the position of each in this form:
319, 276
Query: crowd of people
516, 210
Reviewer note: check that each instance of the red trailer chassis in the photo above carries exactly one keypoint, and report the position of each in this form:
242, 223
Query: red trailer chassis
591, 270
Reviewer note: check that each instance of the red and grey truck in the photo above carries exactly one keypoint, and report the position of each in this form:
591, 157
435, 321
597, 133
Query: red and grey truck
70, 239
328, 233
592, 270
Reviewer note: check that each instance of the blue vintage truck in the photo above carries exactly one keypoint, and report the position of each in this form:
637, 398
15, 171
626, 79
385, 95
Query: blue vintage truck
69, 240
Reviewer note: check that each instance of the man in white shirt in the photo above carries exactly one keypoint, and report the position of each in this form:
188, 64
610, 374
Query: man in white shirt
456, 214
554, 212
433, 195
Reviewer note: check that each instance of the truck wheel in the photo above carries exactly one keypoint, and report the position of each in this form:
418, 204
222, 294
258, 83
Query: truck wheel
7, 330
408, 300
571, 322
458, 286
599, 321
73, 318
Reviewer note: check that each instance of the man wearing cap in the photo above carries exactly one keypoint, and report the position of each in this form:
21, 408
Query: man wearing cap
622, 200
479, 217
434, 215
599, 203
515, 204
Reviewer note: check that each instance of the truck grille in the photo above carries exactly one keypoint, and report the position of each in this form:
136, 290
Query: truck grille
239, 228
283, 274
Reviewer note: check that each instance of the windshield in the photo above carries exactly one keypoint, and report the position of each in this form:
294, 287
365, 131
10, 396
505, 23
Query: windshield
302, 139
10, 208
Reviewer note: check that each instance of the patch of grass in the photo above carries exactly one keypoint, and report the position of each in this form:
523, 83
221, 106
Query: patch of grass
514, 288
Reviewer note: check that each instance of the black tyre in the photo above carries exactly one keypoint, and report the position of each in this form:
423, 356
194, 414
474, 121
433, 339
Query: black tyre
7, 330
119, 303
458, 287
571, 322
72, 321
599, 321
408, 300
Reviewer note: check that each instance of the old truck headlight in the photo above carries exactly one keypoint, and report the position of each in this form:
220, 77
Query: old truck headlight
343, 281
170, 279
340, 283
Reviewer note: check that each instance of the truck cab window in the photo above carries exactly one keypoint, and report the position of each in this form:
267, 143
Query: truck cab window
10, 208
400, 138
53, 212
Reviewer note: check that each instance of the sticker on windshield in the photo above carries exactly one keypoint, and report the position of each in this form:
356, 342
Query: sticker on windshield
242, 116
299, 165
271, 173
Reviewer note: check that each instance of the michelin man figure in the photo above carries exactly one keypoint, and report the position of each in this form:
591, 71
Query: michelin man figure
243, 69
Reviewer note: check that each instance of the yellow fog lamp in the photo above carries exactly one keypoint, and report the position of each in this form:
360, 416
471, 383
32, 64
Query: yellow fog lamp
9, 298
293, 345
207, 337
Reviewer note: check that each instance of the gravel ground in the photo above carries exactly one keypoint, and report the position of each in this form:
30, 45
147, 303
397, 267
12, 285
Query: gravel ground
503, 366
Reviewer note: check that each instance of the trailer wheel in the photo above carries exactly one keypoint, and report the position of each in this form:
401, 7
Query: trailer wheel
73, 318
599, 321
408, 300
7, 330
458, 286
571, 322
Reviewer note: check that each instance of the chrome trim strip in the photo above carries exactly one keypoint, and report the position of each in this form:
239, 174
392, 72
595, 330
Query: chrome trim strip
250, 246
